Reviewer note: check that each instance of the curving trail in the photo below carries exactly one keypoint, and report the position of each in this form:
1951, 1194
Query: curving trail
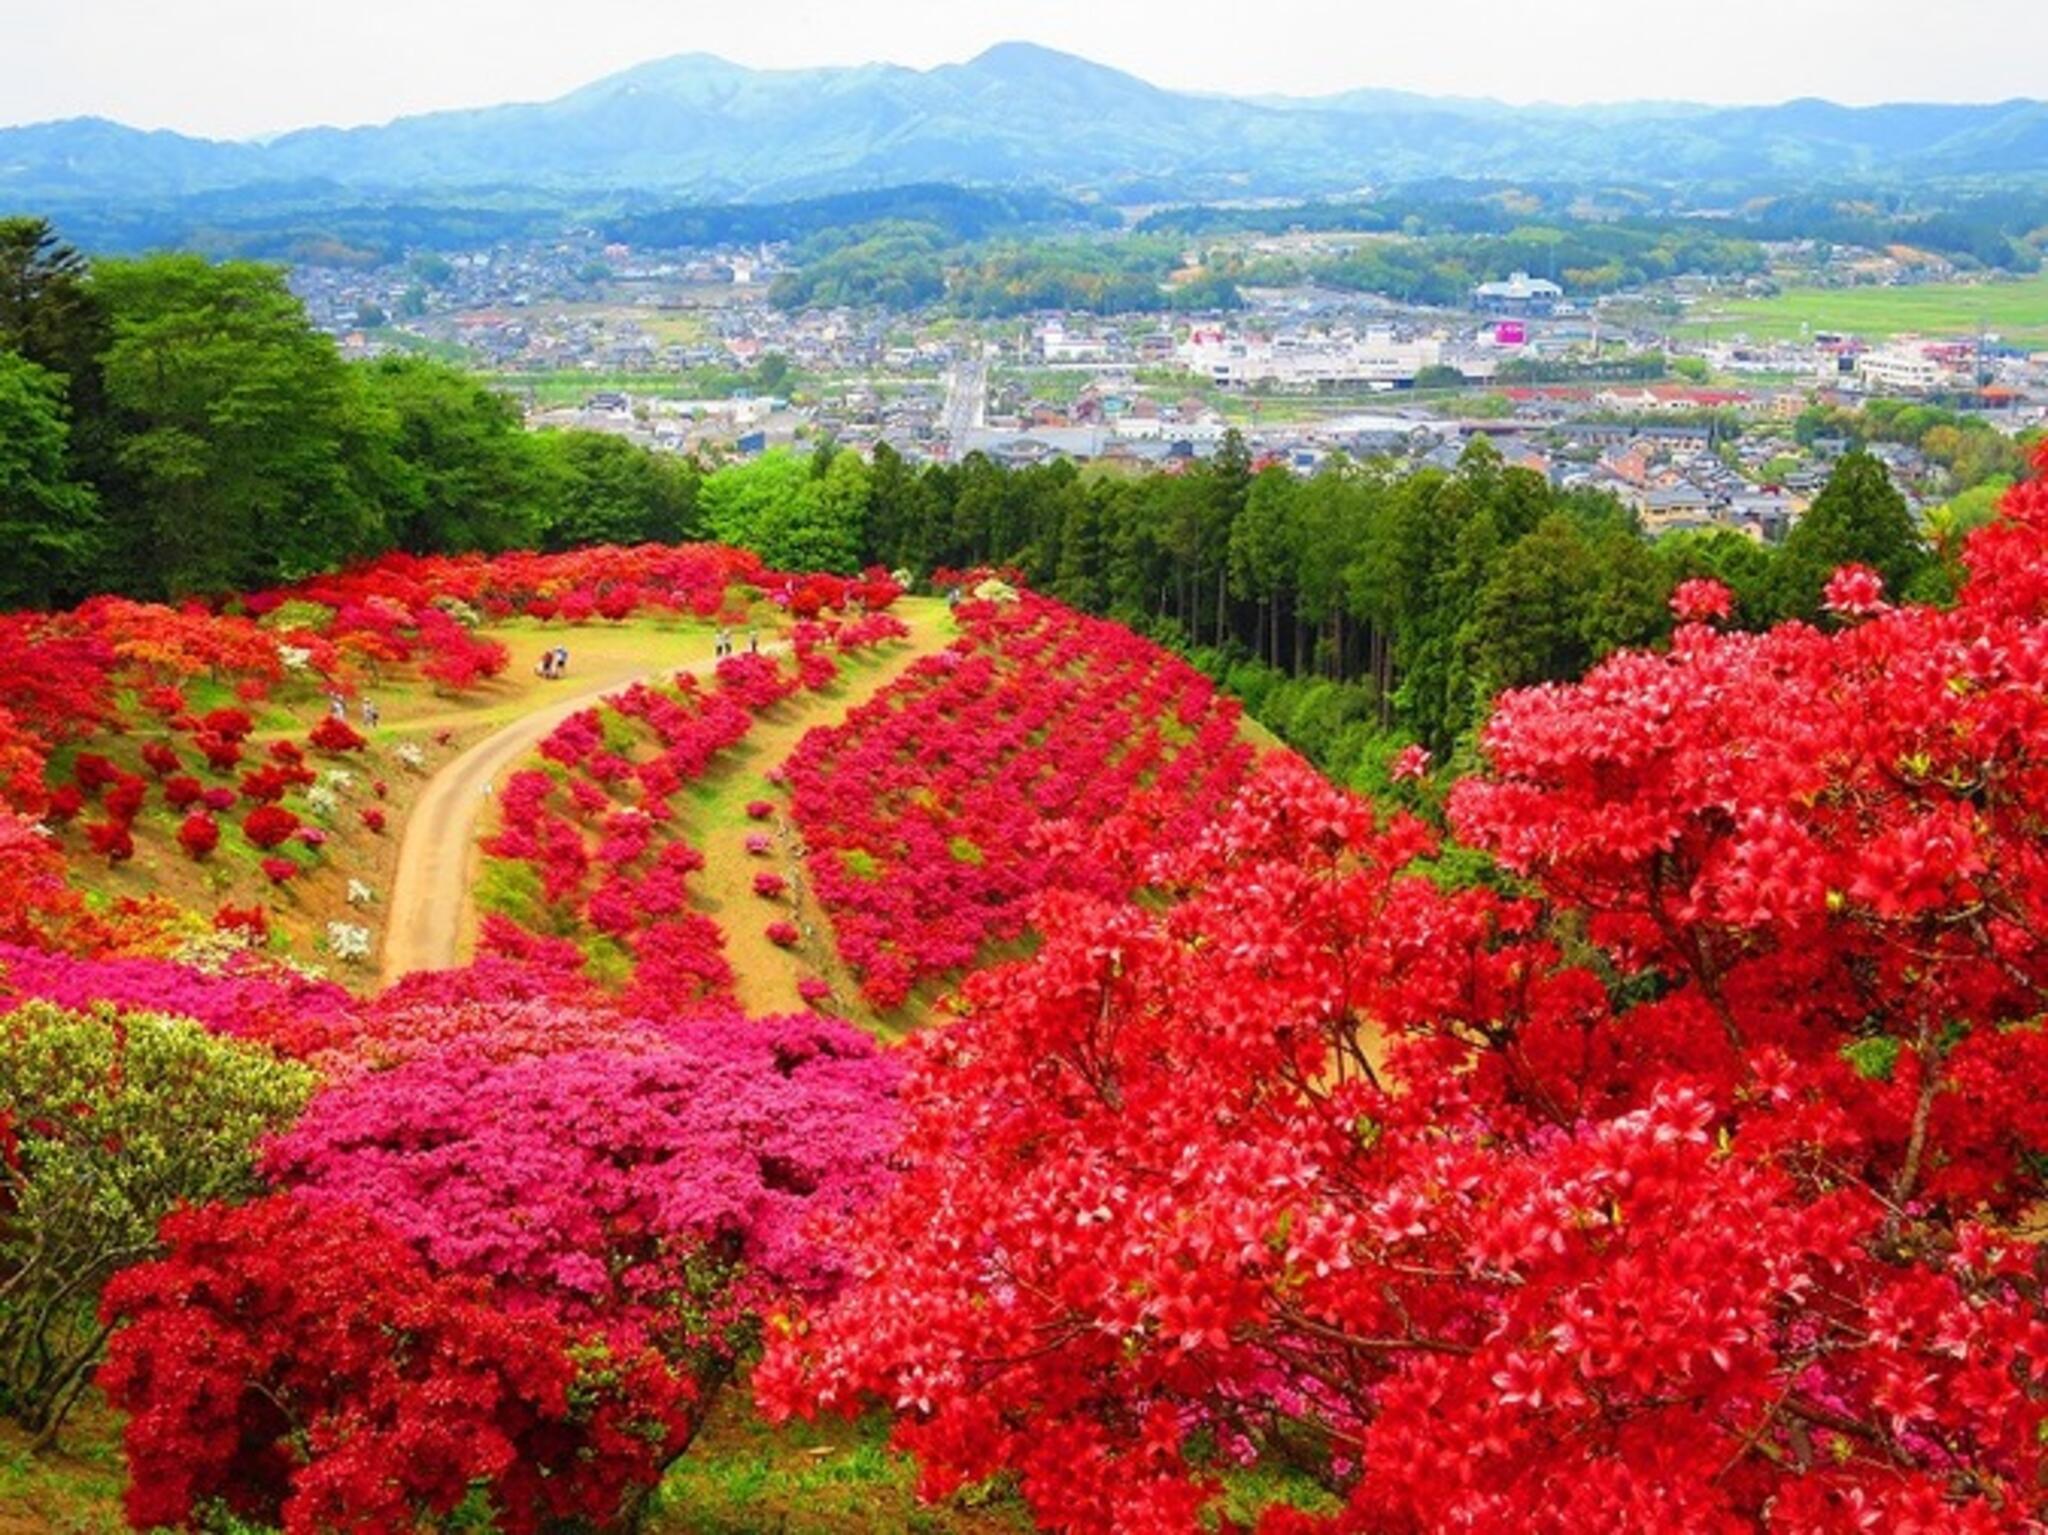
426, 919
429, 919
436, 860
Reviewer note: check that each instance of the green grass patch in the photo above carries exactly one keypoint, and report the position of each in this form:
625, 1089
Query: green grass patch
746, 1477
2016, 310
621, 736
511, 888
72, 1490
1249, 1493
607, 961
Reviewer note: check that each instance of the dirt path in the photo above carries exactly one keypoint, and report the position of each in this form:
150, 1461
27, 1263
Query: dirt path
764, 977
430, 917
429, 912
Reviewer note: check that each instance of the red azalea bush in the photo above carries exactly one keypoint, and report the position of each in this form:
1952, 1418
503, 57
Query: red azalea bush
868, 631
198, 835
93, 772
277, 870
182, 792
548, 1177
245, 995
111, 840
124, 798
1277, 1169
268, 784
227, 724
163, 699
700, 1146
269, 826
940, 808
1700, 601
250, 923
600, 837
756, 681
334, 734
372, 818
783, 935
771, 885
300, 1365
221, 753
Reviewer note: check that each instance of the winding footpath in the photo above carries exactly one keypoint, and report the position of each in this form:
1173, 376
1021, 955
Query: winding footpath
429, 913
430, 917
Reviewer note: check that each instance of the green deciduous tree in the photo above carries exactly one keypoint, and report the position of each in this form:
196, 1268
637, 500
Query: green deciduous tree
107, 1121
233, 418
797, 513
606, 490
448, 460
49, 525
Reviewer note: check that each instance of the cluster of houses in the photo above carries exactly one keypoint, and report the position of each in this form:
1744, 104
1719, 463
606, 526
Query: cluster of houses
1148, 390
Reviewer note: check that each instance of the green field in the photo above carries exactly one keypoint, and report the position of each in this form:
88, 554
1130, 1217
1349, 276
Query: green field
2016, 311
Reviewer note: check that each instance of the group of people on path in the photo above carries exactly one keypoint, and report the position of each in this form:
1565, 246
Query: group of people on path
553, 664
723, 646
338, 707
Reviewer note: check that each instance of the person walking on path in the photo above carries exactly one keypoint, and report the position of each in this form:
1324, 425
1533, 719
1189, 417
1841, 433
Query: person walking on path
724, 646
371, 715
753, 642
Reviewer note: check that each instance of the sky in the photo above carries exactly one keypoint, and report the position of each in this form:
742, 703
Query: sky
240, 68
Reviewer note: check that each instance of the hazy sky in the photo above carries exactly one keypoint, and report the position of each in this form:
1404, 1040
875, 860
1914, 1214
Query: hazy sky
239, 67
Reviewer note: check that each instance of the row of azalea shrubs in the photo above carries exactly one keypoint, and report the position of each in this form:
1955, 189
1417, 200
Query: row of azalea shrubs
939, 810
587, 857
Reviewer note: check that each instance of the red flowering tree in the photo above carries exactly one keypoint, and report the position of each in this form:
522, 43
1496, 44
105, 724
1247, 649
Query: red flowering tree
334, 734
1679, 1195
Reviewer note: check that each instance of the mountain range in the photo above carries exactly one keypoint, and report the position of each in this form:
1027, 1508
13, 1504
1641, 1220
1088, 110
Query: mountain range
1018, 114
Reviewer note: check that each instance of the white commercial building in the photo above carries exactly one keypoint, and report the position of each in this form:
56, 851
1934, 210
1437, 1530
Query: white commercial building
1520, 294
1900, 371
1376, 358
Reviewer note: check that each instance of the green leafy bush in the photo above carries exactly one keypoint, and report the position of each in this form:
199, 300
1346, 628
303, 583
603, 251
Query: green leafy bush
107, 1121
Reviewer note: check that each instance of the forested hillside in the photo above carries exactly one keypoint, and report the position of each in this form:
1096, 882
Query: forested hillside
177, 427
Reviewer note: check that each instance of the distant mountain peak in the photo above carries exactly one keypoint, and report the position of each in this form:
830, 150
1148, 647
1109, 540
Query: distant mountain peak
1019, 52
1018, 114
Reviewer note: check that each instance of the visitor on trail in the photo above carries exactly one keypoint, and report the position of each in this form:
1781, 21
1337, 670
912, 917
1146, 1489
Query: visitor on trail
337, 706
753, 642
561, 659
370, 715
545, 666
724, 646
